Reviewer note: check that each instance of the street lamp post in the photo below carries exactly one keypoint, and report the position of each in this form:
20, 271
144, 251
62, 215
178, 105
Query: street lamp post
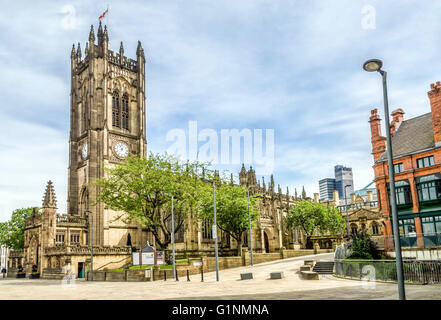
371, 66
347, 215
214, 228
172, 234
91, 243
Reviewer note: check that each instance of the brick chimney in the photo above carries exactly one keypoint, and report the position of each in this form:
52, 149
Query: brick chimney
352, 198
377, 140
370, 196
397, 119
435, 105
316, 197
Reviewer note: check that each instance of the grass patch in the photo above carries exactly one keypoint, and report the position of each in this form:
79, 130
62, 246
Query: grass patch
182, 261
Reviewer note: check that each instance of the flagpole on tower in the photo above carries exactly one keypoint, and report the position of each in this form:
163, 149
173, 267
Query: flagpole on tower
107, 17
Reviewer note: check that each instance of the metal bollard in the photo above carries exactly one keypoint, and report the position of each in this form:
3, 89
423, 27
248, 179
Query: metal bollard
177, 279
202, 274
165, 276
188, 275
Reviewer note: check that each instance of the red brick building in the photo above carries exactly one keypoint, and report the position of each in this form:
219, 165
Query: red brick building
416, 146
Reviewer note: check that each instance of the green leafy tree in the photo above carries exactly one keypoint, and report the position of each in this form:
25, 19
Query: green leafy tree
363, 247
138, 187
310, 216
231, 209
12, 231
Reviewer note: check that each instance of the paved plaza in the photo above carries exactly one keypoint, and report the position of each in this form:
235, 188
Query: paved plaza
229, 287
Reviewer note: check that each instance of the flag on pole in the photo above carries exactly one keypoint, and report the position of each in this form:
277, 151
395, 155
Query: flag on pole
104, 13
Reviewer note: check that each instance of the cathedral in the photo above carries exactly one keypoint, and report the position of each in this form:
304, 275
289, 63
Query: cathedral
107, 124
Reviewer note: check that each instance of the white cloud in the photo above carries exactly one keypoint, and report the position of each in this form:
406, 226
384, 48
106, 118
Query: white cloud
291, 66
31, 155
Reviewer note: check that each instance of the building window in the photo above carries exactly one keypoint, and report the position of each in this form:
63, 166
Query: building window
75, 237
406, 226
125, 112
425, 162
115, 110
59, 238
179, 236
245, 238
402, 192
429, 191
207, 229
431, 230
398, 167
354, 229
431, 225
83, 117
375, 228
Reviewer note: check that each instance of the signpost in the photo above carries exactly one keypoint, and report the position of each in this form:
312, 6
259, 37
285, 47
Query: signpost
214, 231
145, 256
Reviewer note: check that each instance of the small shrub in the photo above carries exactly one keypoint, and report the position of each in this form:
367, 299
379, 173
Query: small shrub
363, 247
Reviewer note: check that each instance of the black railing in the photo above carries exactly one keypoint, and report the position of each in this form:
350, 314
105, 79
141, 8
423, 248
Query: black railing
420, 272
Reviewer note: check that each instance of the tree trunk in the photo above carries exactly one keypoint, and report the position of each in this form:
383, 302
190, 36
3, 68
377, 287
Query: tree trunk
239, 247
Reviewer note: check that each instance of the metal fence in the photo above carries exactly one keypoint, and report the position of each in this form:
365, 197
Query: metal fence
418, 272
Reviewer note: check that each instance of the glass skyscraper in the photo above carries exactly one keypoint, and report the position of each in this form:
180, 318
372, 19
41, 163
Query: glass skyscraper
327, 186
343, 177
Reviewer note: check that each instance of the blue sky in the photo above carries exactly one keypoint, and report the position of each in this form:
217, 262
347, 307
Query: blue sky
291, 66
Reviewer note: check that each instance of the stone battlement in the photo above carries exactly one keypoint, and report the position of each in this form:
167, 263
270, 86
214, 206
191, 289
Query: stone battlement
82, 250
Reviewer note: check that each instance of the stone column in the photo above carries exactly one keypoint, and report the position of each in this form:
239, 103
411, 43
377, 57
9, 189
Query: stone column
280, 229
199, 235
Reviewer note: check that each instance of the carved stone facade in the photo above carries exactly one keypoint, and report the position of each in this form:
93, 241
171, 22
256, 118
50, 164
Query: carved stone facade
107, 124
107, 112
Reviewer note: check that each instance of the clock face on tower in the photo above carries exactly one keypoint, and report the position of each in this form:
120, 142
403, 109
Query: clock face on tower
84, 151
121, 149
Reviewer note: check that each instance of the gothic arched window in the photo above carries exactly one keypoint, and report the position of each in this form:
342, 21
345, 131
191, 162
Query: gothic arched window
245, 238
374, 228
125, 112
115, 110
84, 202
84, 115
354, 228
207, 229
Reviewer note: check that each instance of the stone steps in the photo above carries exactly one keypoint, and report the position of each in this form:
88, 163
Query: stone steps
324, 267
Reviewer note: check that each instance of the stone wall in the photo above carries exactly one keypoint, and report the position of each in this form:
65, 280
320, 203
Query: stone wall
195, 265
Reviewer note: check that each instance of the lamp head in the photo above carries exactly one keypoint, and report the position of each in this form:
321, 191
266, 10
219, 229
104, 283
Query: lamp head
373, 65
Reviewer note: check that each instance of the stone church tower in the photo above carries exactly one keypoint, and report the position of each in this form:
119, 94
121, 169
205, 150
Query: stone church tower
107, 103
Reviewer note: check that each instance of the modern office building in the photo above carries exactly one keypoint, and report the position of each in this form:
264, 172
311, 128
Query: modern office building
343, 177
327, 186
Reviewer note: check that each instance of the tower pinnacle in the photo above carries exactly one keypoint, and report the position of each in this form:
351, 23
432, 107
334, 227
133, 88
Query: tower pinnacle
91, 35
49, 200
